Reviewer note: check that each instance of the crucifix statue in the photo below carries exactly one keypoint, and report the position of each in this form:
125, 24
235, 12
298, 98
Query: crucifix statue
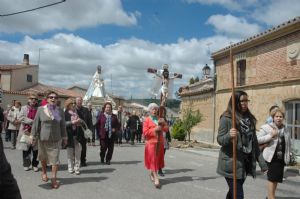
164, 78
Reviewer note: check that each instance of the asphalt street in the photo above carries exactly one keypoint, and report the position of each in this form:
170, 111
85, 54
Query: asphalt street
189, 174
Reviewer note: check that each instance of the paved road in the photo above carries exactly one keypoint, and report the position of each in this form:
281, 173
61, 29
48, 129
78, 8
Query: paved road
189, 175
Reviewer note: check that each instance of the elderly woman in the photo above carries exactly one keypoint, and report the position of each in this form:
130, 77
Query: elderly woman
153, 129
49, 128
277, 152
27, 116
73, 146
108, 127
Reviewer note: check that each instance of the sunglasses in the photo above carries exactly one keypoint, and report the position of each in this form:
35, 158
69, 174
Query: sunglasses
52, 97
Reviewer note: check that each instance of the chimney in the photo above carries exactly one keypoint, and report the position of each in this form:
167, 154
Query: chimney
26, 59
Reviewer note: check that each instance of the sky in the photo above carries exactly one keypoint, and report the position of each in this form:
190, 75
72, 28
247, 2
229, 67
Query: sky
69, 40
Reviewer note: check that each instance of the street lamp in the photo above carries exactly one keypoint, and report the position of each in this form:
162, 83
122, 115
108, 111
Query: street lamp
206, 71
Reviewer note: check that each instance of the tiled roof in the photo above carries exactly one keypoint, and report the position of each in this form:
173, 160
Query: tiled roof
15, 67
15, 92
62, 92
261, 35
201, 87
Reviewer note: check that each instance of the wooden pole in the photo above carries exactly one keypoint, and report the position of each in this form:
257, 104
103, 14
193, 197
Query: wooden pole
233, 123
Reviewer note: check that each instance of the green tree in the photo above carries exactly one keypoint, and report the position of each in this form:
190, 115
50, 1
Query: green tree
197, 79
192, 81
178, 132
190, 119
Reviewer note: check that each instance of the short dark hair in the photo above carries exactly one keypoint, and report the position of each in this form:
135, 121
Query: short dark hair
105, 104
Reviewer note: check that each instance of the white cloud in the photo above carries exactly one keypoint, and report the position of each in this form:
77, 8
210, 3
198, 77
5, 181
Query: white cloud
67, 59
233, 26
276, 12
229, 4
69, 15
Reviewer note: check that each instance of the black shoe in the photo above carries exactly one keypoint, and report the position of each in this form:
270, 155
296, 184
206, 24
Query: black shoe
108, 162
83, 164
102, 161
160, 173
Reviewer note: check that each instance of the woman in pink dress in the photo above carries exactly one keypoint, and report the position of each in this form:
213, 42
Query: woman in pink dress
153, 129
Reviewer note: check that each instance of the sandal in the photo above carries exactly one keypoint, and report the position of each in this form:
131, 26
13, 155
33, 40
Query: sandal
44, 177
151, 177
54, 184
157, 184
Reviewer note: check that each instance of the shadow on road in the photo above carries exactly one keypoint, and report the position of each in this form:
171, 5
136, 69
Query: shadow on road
99, 170
166, 181
126, 162
68, 181
173, 171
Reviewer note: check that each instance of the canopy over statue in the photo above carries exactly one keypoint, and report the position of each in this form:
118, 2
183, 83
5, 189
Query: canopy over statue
96, 92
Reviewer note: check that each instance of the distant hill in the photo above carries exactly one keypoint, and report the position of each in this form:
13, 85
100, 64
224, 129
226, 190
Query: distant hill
173, 104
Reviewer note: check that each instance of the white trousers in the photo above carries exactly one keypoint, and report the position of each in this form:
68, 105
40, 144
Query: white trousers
74, 155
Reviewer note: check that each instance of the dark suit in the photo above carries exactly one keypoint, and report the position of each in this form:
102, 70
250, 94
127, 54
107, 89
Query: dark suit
83, 114
8, 185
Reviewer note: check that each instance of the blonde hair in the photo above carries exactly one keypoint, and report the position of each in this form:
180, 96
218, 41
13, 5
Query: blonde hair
68, 102
277, 110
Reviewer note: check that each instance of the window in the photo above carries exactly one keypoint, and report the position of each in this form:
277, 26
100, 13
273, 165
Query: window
293, 121
241, 73
29, 78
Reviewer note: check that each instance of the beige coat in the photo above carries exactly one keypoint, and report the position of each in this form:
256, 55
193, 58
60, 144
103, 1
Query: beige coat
13, 115
24, 120
46, 128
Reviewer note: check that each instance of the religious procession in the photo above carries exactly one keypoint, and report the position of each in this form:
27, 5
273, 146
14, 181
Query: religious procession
230, 131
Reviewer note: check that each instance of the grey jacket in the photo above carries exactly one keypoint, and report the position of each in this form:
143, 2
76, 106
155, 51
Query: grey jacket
50, 129
264, 136
225, 161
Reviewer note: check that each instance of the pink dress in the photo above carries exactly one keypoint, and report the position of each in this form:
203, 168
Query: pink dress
154, 157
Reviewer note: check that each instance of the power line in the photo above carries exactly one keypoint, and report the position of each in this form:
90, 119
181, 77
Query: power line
48, 5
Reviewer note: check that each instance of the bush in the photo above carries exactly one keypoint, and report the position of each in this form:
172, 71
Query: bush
178, 131
293, 160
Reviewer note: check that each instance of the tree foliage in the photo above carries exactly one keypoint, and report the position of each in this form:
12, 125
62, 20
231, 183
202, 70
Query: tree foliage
197, 79
178, 132
192, 81
190, 119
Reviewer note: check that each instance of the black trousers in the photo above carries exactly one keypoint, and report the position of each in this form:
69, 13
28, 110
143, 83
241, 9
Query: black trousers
83, 150
106, 148
26, 157
239, 188
133, 133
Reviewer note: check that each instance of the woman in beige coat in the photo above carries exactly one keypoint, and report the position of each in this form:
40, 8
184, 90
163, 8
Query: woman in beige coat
277, 152
49, 129
14, 122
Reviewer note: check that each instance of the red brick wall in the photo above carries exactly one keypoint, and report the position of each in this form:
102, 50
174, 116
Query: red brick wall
267, 62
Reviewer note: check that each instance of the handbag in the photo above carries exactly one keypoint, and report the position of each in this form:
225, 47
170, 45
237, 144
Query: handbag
86, 131
27, 139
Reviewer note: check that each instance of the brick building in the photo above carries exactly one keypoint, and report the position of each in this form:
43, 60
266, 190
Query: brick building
267, 67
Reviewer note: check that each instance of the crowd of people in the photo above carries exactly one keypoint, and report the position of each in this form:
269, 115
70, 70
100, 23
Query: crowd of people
41, 131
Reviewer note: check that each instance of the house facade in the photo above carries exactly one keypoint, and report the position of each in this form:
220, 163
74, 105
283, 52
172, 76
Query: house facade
267, 67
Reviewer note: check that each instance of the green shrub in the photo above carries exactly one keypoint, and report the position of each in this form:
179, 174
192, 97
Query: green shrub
178, 131
293, 160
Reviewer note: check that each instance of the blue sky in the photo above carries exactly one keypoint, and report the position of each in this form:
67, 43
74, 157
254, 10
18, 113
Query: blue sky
126, 37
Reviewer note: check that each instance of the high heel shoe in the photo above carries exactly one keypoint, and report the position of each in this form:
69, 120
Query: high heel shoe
54, 184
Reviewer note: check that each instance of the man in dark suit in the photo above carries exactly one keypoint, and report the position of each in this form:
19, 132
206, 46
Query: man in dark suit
83, 113
8, 185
